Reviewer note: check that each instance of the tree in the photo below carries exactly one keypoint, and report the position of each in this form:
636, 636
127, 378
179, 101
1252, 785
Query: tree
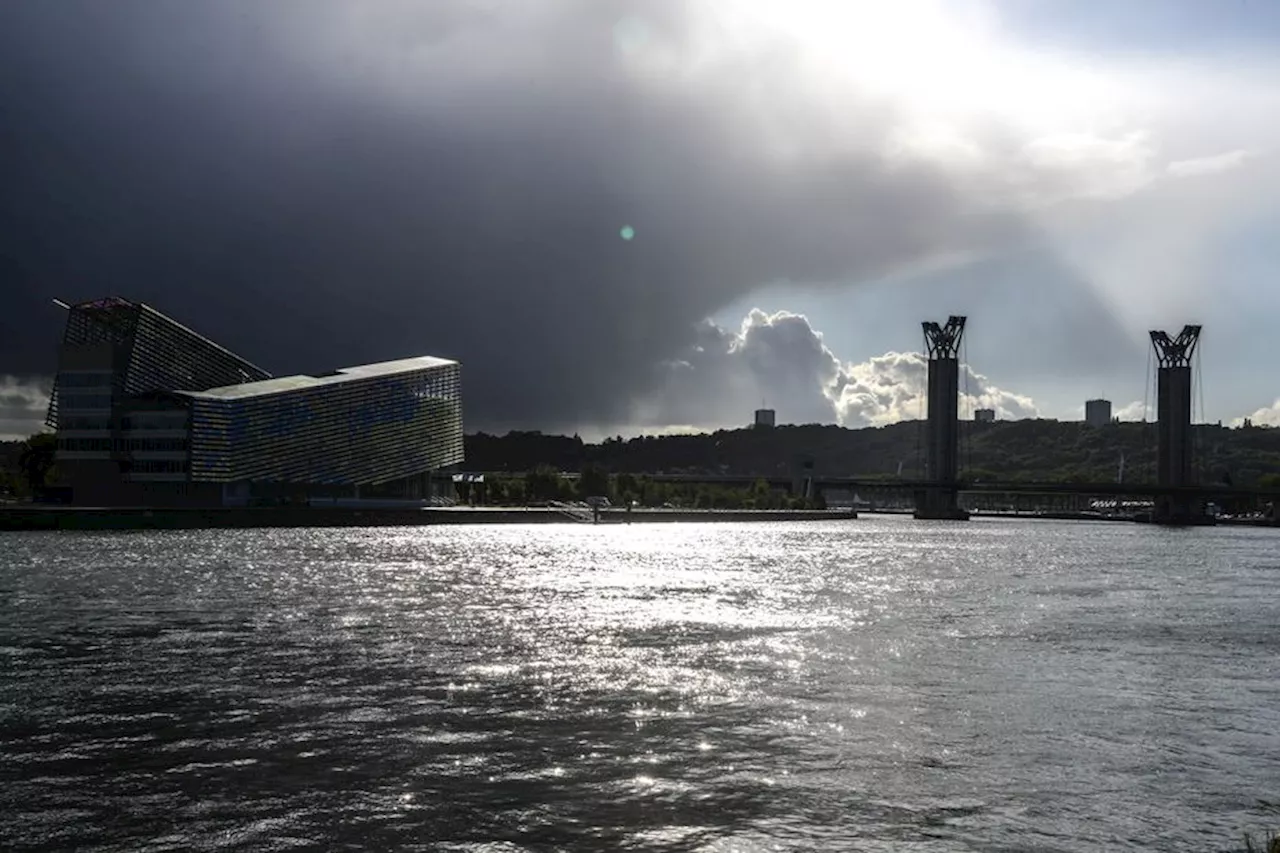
627, 484
35, 461
9, 484
543, 483
592, 481
513, 492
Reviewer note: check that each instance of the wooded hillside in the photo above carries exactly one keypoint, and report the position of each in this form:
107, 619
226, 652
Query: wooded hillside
1015, 450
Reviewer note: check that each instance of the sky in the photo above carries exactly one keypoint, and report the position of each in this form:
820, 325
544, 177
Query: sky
630, 216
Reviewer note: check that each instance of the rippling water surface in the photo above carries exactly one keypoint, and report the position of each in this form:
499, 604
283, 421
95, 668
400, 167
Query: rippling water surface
878, 684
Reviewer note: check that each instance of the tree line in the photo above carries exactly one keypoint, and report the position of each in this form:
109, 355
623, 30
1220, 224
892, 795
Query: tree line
1006, 451
544, 484
525, 466
27, 467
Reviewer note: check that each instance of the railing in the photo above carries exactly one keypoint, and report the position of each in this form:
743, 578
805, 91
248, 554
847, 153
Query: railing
577, 513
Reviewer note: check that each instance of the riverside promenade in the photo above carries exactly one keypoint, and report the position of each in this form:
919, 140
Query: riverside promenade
32, 517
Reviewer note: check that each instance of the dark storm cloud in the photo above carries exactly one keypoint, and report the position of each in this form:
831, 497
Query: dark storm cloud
22, 407
319, 184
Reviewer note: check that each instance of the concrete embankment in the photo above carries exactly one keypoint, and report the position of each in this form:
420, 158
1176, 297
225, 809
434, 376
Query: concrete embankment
141, 518
1248, 521
1054, 515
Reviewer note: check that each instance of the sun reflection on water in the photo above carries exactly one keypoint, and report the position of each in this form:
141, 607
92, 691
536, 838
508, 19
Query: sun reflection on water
701, 687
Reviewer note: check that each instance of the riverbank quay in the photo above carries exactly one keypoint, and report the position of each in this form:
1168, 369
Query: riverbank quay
1206, 521
14, 518
1054, 515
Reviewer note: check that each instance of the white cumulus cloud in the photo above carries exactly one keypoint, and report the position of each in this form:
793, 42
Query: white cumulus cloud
891, 387
1266, 416
780, 361
1135, 411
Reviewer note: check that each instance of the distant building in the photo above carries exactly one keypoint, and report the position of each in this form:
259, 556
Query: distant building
765, 417
984, 416
1097, 412
150, 413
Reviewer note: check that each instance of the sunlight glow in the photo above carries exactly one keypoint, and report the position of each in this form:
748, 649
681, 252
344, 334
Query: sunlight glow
942, 60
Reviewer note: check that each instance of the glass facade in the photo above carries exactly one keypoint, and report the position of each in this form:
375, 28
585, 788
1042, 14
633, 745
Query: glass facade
363, 426
120, 433
113, 348
142, 404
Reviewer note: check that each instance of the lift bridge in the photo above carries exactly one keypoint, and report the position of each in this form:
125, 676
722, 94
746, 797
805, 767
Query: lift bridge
1176, 498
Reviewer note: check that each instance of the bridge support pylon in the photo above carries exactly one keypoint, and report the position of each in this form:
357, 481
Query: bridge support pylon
940, 499
1174, 462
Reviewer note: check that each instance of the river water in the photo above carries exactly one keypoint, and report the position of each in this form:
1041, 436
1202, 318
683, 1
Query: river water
878, 684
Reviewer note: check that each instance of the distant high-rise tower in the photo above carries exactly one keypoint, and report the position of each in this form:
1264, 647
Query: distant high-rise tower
1097, 412
765, 418
984, 416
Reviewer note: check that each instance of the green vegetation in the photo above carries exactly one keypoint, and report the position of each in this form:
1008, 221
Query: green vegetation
27, 467
1031, 450
544, 484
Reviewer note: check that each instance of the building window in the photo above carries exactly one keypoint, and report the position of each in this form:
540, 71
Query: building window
84, 422
152, 444
85, 401
155, 420
84, 445
155, 466
86, 379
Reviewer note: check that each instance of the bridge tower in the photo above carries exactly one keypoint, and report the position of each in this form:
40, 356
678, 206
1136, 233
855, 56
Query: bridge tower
938, 500
1174, 464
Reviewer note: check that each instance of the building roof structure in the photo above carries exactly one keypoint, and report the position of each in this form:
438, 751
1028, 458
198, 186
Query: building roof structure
281, 384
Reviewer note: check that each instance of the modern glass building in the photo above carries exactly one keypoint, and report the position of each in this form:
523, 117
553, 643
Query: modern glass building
113, 349
359, 426
149, 412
